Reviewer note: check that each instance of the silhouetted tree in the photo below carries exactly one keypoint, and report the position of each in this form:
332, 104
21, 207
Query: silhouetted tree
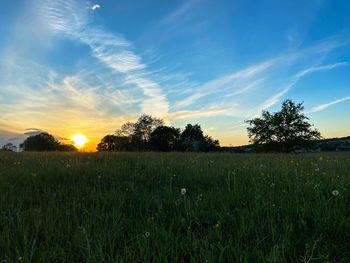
144, 126
283, 130
107, 144
115, 143
207, 144
45, 142
190, 138
40, 142
140, 132
192, 133
164, 138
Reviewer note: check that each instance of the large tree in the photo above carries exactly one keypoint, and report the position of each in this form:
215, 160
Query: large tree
45, 142
140, 131
193, 139
115, 143
40, 142
164, 138
282, 130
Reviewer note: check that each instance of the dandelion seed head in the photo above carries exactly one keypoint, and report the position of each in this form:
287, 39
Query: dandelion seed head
335, 192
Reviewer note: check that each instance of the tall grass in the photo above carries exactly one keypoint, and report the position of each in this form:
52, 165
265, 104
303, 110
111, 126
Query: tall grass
128, 207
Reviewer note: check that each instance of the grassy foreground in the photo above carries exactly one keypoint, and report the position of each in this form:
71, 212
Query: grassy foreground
128, 207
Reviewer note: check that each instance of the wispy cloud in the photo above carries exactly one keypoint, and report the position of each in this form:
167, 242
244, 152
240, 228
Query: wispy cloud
197, 113
314, 69
275, 98
326, 105
178, 14
94, 7
226, 83
111, 49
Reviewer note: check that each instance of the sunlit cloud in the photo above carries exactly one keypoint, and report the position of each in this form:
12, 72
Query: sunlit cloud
94, 7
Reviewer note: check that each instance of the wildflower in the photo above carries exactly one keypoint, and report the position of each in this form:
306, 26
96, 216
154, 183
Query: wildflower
335, 192
146, 235
272, 185
317, 169
33, 174
183, 191
217, 225
274, 205
321, 158
199, 197
20, 258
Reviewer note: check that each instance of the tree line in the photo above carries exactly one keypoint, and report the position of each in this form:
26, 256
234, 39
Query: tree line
150, 134
281, 131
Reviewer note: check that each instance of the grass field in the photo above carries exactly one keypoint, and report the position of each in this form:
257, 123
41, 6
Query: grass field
131, 207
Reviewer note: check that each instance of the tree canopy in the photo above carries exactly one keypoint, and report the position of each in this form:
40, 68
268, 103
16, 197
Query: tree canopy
45, 142
283, 130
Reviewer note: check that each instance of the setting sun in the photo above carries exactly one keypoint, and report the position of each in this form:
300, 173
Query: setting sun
79, 140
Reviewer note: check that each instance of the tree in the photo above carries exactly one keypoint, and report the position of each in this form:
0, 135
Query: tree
191, 137
45, 142
107, 144
40, 142
283, 130
114, 143
144, 126
164, 138
140, 132
208, 144
192, 133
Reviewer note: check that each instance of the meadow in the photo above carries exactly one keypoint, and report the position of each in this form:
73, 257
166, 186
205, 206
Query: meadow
174, 207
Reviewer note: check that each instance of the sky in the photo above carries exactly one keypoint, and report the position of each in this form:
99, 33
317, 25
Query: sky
72, 66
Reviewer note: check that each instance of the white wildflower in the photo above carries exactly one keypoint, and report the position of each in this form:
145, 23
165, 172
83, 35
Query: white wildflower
335, 192
146, 235
183, 191
317, 169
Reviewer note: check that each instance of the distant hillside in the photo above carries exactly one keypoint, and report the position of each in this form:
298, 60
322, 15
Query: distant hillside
329, 144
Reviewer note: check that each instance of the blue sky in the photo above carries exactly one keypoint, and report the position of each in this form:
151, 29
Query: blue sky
73, 66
